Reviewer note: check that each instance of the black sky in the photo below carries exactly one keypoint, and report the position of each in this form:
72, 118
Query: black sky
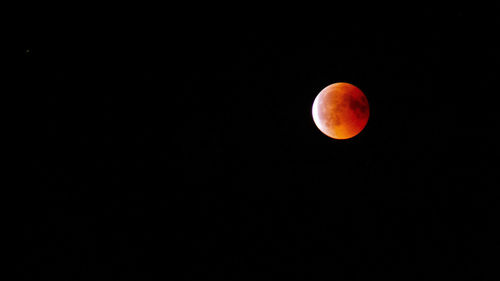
186, 148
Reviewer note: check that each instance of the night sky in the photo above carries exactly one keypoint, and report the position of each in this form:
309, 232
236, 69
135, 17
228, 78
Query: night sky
184, 149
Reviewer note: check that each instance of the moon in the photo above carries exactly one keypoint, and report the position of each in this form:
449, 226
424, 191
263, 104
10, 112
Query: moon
341, 111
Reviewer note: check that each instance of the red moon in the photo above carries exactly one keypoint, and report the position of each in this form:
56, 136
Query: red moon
341, 111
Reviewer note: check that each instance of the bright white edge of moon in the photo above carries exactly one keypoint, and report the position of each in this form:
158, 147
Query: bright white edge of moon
316, 114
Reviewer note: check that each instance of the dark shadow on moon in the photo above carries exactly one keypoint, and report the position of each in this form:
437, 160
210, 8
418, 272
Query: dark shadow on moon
360, 108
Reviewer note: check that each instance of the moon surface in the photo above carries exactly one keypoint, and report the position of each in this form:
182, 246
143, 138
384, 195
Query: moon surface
341, 111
